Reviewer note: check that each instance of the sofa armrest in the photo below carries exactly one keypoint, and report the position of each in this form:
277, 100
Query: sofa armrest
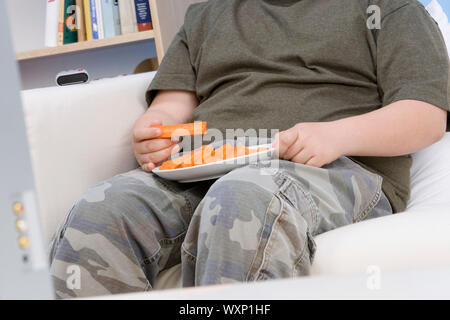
80, 135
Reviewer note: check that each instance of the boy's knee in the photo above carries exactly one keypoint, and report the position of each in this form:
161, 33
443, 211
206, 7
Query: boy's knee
101, 202
248, 181
107, 206
242, 196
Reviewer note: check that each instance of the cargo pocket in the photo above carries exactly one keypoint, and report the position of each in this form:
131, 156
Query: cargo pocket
365, 187
287, 248
302, 201
303, 265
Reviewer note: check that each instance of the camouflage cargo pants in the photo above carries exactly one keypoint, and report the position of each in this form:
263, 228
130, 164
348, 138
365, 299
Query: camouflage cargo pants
245, 226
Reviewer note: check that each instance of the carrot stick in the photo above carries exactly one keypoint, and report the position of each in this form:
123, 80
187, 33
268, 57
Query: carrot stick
207, 154
180, 130
168, 165
241, 150
185, 160
202, 152
224, 152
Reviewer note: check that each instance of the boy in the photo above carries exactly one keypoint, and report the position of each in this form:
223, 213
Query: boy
351, 101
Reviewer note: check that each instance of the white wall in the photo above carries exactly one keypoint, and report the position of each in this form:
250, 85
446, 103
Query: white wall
27, 19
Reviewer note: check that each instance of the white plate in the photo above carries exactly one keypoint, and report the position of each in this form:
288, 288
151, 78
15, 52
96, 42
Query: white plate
216, 169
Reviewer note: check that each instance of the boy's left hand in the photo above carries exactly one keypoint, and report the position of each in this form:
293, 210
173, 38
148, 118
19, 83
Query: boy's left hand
312, 143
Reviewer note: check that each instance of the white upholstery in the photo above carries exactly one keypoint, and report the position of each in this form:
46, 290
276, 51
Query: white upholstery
436, 11
430, 176
80, 135
402, 241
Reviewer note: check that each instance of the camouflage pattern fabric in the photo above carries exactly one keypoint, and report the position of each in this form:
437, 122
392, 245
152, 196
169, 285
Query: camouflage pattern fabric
257, 222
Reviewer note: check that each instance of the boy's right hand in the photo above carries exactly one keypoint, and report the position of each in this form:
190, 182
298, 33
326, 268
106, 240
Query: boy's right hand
148, 149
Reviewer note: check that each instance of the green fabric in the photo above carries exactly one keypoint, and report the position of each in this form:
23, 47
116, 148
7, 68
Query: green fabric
271, 64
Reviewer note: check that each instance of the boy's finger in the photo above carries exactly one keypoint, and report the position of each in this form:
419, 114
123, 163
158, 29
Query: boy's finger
302, 157
314, 162
148, 167
155, 123
146, 134
285, 140
161, 155
293, 150
153, 145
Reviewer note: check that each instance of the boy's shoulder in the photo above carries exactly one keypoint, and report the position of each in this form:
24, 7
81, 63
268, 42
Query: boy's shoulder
203, 13
205, 6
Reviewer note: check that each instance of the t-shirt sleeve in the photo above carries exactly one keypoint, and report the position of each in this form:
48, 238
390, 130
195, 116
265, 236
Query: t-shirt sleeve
412, 59
176, 71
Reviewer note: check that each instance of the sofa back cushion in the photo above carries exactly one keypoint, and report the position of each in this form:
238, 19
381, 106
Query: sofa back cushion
439, 15
430, 176
80, 135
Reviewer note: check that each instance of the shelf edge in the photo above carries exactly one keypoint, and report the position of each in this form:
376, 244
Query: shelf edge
85, 46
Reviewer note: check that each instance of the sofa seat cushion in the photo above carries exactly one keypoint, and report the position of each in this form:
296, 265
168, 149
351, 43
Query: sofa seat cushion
401, 241
415, 239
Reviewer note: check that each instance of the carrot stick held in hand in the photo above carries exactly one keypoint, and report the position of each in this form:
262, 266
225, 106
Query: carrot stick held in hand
180, 130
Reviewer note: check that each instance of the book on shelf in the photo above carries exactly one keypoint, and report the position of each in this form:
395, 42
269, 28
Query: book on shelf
109, 22
116, 18
70, 34
98, 8
70, 21
143, 16
94, 19
87, 19
128, 20
61, 23
51, 23
81, 26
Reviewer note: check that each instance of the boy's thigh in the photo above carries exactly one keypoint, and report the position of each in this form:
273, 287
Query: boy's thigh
138, 195
155, 211
339, 193
335, 195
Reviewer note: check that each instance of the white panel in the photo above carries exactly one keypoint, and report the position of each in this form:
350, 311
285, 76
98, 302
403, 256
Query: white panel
27, 18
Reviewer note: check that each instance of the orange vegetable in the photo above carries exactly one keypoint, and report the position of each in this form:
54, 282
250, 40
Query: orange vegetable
224, 152
168, 165
180, 130
261, 149
207, 154
241, 151
190, 159
185, 160
201, 153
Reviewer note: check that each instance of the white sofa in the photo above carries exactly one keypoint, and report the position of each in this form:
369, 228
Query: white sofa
80, 135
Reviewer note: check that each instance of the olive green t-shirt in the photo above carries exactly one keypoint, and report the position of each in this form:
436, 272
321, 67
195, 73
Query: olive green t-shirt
269, 64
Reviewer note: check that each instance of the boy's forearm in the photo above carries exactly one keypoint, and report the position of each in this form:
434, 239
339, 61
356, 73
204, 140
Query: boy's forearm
166, 118
403, 127
172, 107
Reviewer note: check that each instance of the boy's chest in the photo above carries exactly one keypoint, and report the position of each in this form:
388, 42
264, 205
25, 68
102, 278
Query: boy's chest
321, 36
